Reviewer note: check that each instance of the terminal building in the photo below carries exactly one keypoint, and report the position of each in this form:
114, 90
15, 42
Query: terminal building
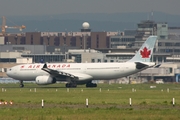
89, 46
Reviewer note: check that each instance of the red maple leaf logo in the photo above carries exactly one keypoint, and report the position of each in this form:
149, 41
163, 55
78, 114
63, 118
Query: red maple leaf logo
22, 66
145, 53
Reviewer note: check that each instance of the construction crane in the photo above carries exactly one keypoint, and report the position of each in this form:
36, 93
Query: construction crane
4, 26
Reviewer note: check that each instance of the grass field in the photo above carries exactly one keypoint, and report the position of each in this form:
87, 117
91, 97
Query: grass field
106, 102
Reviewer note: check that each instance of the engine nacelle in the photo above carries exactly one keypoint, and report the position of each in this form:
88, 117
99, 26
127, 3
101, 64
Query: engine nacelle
45, 80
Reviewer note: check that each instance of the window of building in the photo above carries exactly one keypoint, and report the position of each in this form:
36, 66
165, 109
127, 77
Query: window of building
170, 69
177, 44
22, 41
5, 69
111, 60
41, 41
97, 37
31, 37
16, 40
8, 59
162, 37
92, 60
115, 39
159, 44
168, 44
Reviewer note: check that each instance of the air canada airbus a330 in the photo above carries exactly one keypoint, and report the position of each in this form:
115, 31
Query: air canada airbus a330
83, 73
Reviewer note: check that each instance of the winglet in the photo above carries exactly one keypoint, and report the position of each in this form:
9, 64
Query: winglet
145, 52
45, 65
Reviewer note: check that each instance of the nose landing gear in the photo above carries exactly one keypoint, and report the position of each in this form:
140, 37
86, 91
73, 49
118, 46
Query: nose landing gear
21, 84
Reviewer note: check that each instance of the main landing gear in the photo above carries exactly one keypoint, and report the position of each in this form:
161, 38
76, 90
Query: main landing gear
21, 84
71, 85
91, 84
74, 85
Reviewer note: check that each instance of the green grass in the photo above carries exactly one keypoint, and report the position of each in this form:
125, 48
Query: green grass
109, 104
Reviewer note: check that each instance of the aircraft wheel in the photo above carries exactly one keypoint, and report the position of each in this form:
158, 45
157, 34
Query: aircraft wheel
94, 85
67, 85
74, 85
91, 85
71, 85
21, 85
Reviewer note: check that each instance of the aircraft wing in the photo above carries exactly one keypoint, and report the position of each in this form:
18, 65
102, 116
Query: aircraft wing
57, 73
62, 74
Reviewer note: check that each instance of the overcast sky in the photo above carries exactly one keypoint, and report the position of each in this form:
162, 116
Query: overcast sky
48, 7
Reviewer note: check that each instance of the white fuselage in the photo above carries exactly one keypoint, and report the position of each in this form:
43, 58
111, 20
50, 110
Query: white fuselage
99, 71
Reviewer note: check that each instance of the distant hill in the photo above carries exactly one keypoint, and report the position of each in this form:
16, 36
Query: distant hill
98, 21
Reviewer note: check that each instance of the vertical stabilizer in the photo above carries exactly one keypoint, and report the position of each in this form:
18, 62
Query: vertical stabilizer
145, 52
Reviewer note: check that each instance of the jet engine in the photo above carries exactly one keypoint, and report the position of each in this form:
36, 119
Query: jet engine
45, 80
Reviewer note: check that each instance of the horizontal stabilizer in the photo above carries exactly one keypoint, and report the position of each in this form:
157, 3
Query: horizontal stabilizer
158, 65
140, 65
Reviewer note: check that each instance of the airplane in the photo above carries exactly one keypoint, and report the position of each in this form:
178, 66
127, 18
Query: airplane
84, 73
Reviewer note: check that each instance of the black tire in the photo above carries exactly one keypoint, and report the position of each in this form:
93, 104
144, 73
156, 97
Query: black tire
91, 85
67, 85
21, 85
71, 85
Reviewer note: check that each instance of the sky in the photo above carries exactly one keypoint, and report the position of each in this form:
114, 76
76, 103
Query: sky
52, 7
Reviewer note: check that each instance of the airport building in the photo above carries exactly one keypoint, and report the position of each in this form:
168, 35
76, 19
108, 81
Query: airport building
88, 46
